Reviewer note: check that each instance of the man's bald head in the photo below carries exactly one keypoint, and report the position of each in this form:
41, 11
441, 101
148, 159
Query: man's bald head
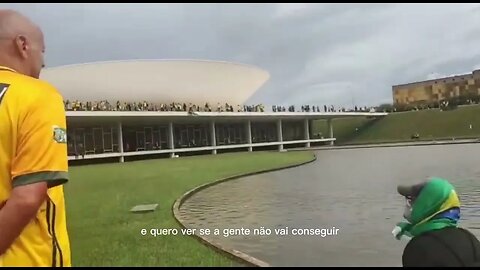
21, 43
13, 23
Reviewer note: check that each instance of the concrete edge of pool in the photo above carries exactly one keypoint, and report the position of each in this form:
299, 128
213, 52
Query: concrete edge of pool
236, 254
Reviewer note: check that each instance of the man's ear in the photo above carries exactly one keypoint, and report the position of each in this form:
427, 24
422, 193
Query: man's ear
22, 46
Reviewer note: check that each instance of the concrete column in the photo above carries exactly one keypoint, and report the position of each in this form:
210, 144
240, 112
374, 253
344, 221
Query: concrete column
280, 134
249, 135
171, 144
213, 137
310, 129
330, 130
307, 131
120, 141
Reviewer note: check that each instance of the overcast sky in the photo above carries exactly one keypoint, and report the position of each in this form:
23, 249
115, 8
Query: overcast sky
316, 53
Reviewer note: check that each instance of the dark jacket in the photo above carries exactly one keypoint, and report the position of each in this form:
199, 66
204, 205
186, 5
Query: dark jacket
447, 247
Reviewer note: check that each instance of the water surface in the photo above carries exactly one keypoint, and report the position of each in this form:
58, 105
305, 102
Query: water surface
352, 190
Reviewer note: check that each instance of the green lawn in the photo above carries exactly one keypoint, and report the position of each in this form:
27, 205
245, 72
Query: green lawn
104, 233
398, 127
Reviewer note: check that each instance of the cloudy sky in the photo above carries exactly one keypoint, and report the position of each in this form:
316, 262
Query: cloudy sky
316, 53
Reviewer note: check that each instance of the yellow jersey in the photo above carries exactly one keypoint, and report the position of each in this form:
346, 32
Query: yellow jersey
33, 148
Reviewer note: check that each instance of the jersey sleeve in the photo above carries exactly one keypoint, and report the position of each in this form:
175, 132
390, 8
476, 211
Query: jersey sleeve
41, 153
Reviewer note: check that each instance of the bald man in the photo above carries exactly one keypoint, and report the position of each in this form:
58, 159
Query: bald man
33, 152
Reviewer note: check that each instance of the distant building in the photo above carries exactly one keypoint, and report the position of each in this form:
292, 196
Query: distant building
431, 91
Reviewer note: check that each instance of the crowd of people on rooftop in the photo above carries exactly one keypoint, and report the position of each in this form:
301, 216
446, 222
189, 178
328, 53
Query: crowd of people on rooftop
313, 108
105, 105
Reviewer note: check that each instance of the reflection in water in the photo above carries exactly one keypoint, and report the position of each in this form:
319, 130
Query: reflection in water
352, 190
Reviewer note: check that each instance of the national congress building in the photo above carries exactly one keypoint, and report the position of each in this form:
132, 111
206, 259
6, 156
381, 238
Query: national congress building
127, 134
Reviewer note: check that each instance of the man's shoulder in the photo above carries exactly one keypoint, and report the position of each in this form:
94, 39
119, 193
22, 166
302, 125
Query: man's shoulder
29, 88
36, 86
442, 231
444, 235
443, 247
451, 230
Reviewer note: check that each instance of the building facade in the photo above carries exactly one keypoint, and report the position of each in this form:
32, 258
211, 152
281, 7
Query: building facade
106, 135
433, 91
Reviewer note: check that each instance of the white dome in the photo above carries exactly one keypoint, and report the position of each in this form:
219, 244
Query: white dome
159, 81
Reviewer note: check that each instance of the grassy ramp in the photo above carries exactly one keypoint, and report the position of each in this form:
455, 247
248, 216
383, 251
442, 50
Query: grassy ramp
104, 233
399, 127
